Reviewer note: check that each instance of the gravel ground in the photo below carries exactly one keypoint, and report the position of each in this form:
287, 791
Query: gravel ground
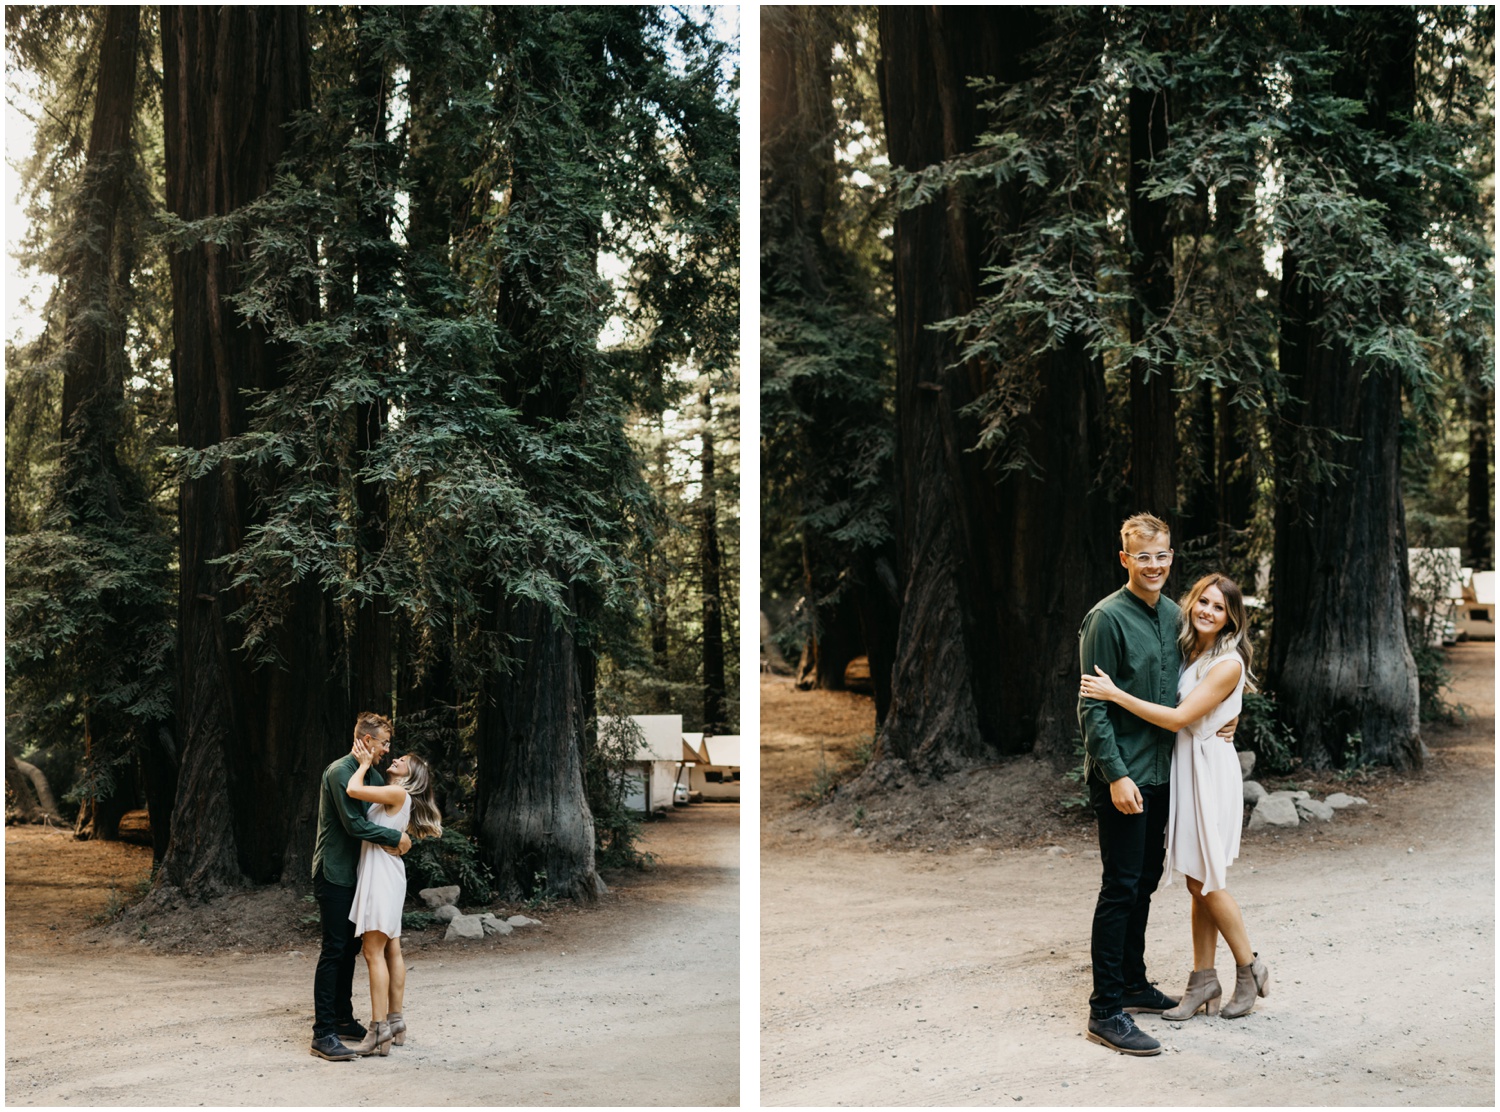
636, 1003
960, 975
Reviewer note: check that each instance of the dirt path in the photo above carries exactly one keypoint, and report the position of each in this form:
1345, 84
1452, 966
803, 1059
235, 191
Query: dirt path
637, 1004
903, 977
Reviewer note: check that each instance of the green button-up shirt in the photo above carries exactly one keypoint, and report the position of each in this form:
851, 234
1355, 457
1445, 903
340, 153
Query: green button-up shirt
1137, 645
342, 824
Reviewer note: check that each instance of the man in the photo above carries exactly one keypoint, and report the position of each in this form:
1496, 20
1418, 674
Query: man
1132, 636
341, 827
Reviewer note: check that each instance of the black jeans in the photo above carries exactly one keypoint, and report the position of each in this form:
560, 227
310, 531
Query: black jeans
1132, 849
333, 982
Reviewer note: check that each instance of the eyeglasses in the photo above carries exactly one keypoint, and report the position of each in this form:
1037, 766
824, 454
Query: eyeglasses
1147, 559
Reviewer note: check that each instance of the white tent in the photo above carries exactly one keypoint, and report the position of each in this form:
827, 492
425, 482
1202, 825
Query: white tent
719, 776
653, 769
1476, 612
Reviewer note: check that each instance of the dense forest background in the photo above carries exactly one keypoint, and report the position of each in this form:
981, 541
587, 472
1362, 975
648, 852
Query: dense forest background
387, 359
1026, 271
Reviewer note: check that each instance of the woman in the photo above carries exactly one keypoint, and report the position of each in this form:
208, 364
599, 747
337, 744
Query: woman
403, 804
1203, 819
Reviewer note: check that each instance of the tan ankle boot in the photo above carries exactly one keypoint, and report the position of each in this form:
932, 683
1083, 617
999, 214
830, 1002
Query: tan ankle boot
398, 1028
1203, 991
1250, 981
377, 1039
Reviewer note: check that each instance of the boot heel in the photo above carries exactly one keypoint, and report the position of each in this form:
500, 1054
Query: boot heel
1212, 1007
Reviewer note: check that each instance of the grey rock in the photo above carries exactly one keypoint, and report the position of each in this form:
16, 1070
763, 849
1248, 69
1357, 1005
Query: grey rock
522, 921
1055, 851
439, 897
1339, 800
1292, 795
1253, 792
447, 913
464, 926
1247, 765
1276, 809
1314, 809
492, 925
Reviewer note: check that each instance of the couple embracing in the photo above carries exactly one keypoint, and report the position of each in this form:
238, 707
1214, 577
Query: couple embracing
364, 827
1158, 701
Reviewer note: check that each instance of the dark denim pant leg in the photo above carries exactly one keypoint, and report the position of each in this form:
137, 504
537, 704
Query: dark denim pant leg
1132, 850
333, 981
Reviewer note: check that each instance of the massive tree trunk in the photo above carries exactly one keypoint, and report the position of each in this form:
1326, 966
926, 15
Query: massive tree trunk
253, 740
96, 287
531, 806
1340, 663
533, 817
996, 574
715, 713
1153, 406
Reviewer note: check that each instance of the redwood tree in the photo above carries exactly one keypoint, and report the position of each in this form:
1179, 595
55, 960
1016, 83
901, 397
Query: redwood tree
1340, 663
253, 733
987, 549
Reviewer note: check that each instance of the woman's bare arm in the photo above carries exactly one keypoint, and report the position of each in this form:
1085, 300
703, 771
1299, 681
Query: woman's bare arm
388, 794
1214, 689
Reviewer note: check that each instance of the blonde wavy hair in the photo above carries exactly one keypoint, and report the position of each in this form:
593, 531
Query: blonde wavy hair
426, 821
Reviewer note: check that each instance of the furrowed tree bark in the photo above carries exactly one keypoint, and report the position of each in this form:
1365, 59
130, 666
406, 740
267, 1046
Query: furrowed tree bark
1340, 664
996, 574
533, 818
253, 740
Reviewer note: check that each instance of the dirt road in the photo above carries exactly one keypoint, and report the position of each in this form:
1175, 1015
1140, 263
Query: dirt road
914, 978
634, 1005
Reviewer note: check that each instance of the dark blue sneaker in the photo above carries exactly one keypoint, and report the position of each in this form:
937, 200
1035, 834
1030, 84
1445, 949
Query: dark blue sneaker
1119, 1032
352, 1028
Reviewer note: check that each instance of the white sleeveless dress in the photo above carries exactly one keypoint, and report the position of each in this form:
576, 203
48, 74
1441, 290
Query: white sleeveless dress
380, 891
1207, 805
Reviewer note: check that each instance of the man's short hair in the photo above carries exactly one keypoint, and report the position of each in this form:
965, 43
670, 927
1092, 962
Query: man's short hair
1143, 526
369, 722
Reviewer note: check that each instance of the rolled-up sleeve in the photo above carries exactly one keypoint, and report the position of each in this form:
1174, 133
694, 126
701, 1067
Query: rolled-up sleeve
1101, 643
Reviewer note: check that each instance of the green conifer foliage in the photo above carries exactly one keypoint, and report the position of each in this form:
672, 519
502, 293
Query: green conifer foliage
455, 365
89, 644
